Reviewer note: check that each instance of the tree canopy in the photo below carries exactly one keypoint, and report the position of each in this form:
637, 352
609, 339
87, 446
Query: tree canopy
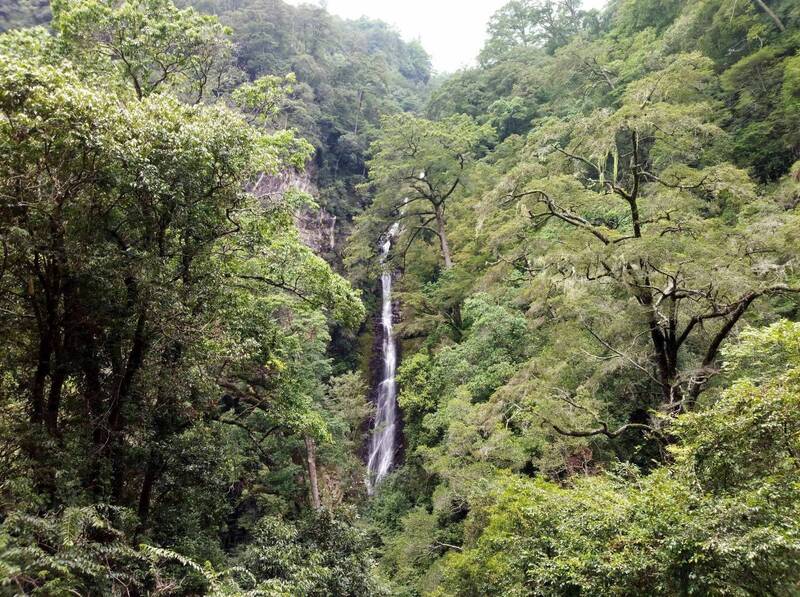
164, 329
590, 238
572, 382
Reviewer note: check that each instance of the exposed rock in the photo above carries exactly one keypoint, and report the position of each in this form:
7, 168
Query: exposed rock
319, 229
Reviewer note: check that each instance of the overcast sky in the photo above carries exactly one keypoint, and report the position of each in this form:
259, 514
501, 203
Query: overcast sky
452, 31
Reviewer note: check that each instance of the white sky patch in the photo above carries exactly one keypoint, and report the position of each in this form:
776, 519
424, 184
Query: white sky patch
452, 31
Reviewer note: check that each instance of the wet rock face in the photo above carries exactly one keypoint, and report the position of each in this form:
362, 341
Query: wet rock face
271, 187
319, 229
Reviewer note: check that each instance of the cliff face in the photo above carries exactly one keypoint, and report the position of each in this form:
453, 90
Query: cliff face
319, 229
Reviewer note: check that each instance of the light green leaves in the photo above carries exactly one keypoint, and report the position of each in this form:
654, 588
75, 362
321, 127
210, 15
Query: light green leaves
264, 97
721, 519
151, 44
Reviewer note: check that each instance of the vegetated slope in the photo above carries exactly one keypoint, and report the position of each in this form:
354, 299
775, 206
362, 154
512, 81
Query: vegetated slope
349, 74
599, 294
619, 195
169, 423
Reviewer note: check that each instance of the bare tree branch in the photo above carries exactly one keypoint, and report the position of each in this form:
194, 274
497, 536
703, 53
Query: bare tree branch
602, 430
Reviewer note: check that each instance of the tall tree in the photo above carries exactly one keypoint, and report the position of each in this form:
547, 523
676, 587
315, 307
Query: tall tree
151, 43
521, 25
132, 249
682, 245
417, 167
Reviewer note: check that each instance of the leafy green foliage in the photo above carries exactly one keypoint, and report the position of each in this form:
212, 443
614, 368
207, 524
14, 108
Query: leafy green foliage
88, 550
594, 237
416, 168
76, 551
348, 75
150, 42
525, 24
322, 555
721, 520
164, 329
569, 426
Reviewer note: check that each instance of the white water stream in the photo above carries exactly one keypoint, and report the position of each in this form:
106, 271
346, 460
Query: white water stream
383, 441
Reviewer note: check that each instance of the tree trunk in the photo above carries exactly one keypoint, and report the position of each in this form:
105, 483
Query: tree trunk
40, 376
440, 229
311, 456
665, 365
116, 419
699, 381
151, 473
54, 398
776, 19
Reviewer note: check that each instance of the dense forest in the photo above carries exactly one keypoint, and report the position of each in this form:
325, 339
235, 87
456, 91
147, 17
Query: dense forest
248, 248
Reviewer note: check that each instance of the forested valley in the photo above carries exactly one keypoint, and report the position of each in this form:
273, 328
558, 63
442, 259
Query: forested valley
284, 311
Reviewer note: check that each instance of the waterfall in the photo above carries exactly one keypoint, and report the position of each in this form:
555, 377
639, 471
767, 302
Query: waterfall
382, 444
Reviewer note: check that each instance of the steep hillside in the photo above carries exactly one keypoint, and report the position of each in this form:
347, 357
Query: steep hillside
588, 221
281, 316
349, 74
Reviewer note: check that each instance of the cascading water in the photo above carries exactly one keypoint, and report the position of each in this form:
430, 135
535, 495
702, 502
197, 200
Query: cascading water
382, 444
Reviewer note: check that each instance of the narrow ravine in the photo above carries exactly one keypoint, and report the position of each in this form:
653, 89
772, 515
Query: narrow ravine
383, 437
